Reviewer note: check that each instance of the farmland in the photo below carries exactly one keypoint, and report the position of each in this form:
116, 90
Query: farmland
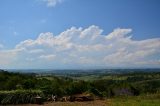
116, 88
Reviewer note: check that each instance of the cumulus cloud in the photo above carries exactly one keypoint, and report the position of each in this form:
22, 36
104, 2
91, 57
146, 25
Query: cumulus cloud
52, 3
87, 47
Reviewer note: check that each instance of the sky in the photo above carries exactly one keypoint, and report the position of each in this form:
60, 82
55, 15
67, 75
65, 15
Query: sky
79, 34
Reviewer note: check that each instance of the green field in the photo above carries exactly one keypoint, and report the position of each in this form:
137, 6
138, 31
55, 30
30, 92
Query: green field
145, 100
132, 88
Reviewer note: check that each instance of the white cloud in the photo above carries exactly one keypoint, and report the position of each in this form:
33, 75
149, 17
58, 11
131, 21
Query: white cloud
36, 51
52, 3
85, 48
48, 57
118, 33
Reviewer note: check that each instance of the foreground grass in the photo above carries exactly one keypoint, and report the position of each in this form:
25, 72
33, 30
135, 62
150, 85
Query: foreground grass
146, 100
143, 100
19, 96
109, 102
134, 102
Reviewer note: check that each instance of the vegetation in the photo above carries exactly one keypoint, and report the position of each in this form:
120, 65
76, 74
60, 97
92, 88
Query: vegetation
19, 96
19, 88
142, 100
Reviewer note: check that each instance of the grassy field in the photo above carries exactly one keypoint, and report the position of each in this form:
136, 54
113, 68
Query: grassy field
143, 100
109, 102
134, 102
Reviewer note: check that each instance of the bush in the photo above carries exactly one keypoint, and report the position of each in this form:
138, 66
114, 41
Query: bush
19, 96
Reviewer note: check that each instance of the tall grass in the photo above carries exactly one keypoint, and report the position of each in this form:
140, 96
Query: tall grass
142, 100
19, 96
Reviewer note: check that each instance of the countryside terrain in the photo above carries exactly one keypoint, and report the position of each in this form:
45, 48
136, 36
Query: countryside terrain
114, 87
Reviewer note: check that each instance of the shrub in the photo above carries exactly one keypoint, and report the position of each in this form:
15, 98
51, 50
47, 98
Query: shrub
19, 96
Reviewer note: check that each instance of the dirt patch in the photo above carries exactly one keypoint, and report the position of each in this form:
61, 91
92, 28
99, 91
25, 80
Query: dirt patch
89, 103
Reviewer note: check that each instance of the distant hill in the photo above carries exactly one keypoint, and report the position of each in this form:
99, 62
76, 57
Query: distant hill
75, 71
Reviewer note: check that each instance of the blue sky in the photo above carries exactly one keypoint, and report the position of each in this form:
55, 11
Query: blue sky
21, 20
